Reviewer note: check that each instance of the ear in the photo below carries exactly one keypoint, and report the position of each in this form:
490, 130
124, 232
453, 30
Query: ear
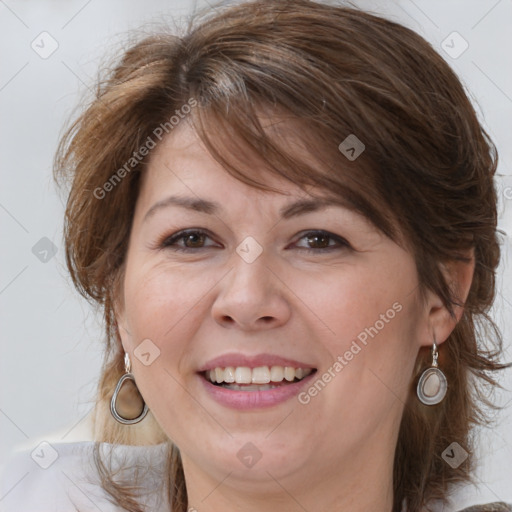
459, 276
122, 329
119, 312
122, 326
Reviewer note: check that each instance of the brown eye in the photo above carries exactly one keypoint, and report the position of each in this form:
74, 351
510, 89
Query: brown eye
318, 241
190, 240
321, 241
193, 240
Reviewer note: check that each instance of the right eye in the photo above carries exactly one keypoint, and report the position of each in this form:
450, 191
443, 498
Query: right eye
192, 239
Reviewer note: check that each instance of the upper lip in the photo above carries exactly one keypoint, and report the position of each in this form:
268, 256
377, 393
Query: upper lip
236, 359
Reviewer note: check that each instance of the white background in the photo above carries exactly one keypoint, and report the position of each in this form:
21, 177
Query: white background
51, 339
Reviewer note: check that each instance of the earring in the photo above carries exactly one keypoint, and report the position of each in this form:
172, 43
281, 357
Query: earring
432, 385
127, 405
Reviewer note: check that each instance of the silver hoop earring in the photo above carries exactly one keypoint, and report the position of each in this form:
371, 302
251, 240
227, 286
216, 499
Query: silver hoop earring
432, 385
127, 405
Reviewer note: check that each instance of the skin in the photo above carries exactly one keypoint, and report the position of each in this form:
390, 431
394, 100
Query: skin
334, 453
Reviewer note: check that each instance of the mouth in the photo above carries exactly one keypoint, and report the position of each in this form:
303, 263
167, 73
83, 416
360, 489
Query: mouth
260, 378
248, 382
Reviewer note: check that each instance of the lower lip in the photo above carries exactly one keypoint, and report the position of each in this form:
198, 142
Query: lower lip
254, 399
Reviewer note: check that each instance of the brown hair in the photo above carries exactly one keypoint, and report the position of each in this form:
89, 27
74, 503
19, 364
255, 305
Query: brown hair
424, 178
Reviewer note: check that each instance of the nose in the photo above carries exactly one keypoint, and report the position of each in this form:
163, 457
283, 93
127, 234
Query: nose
251, 297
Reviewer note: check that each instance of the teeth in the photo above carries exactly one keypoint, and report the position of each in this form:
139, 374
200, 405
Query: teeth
289, 373
249, 387
229, 374
259, 375
243, 375
276, 373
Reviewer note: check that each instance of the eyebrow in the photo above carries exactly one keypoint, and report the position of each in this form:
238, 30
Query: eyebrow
299, 207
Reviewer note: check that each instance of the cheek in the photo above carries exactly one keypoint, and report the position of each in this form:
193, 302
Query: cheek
373, 319
366, 305
164, 306
159, 301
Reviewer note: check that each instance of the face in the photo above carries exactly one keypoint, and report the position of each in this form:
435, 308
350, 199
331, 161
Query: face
314, 314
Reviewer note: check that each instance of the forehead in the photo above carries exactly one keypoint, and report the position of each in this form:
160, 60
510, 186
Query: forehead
182, 162
185, 176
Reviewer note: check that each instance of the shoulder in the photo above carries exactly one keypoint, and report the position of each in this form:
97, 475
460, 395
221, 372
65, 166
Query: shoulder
489, 507
63, 476
53, 476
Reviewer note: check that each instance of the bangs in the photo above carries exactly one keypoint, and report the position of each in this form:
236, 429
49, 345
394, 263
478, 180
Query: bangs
252, 138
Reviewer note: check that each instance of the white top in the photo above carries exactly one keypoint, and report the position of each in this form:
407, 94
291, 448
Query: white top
61, 477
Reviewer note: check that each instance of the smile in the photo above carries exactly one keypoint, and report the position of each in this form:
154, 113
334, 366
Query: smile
261, 378
245, 388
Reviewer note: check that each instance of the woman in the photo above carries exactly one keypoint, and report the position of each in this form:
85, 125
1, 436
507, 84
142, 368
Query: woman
288, 217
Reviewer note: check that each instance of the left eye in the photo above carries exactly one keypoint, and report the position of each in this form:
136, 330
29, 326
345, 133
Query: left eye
194, 239
321, 239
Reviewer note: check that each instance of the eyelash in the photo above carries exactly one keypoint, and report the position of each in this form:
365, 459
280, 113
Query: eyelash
169, 241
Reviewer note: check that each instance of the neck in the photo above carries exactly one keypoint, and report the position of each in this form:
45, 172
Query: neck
365, 483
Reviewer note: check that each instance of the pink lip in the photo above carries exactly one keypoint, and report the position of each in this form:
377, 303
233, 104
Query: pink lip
235, 360
243, 400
